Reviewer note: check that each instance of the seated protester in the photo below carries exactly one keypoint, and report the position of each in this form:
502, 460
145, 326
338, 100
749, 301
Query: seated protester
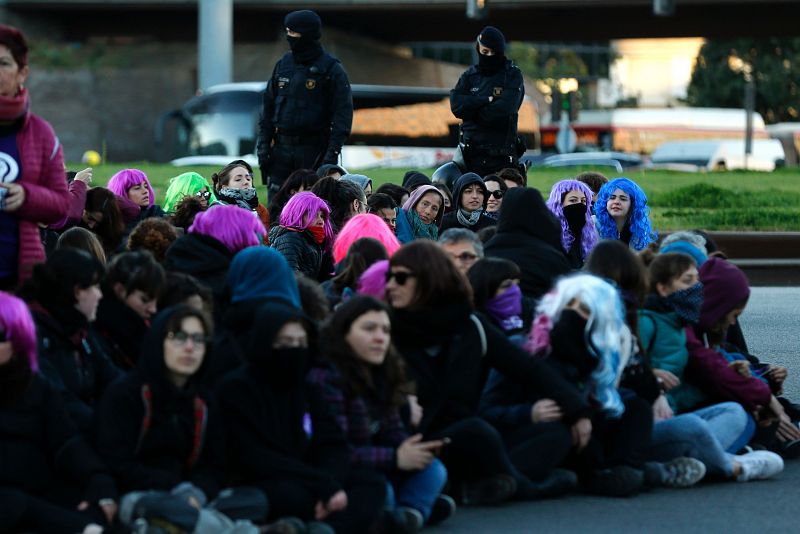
622, 213
257, 275
398, 193
359, 227
421, 215
133, 283
82, 239
570, 201
188, 184
132, 187
513, 177
580, 328
449, 352
413, 180
297, 182
496, 294
282, 436
594, 180
361, 254
182, 288
346, 200
364, 182
470, 196
155, 236
726, 374
689, 243
463, 246
330, 169
52, 481
206, 251
448, 197
77, 187
163, 436
304, 234
711, 434
63, 295
185, 211
103, 217
495, 188
233, 186
385, 207
362, 379
372, 282
530, 236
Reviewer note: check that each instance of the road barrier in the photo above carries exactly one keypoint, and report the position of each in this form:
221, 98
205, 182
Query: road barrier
767, 258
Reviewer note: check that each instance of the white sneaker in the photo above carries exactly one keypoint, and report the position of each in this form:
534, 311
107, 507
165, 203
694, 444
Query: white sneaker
759, 465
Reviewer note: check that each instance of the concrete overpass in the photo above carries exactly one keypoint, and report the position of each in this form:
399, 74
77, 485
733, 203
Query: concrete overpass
421, 20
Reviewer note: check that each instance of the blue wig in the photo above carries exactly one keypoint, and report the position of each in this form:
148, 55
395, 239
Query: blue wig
608, 337
589, 235
638, 222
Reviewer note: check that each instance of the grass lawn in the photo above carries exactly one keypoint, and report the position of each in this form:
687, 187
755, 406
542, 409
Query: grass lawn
734, 200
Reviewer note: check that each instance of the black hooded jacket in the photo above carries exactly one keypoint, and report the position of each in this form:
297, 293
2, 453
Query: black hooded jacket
529, 235
120, 331
205, 258
154, 435
279, 428
450, 220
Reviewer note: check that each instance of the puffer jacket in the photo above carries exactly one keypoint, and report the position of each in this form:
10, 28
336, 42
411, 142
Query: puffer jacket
303, 254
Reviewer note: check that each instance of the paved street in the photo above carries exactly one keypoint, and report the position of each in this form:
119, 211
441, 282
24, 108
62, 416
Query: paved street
770, 324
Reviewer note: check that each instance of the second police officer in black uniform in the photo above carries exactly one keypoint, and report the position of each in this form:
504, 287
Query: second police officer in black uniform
308, 105
487, 99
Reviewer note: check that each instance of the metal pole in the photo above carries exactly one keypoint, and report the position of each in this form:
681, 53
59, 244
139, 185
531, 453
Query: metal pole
215, 42
749, 106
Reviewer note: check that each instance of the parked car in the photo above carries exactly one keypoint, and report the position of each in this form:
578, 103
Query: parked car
721, 154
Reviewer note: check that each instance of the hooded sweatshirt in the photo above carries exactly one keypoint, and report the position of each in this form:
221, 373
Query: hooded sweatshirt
203, 257
279, 428
405, 231
724, 288
451, 220
155, 435
529, 235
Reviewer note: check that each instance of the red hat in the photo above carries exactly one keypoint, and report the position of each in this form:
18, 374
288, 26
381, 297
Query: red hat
15, 41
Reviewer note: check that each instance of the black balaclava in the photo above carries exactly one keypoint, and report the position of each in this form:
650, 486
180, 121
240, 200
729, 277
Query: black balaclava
286, 367
305, 48
575, 214
491, 37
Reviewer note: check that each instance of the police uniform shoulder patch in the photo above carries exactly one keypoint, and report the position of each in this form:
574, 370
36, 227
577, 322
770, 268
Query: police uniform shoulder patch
497, 91
311, 83
283, 82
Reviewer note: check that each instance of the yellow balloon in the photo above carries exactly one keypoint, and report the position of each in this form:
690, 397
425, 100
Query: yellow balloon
91, 158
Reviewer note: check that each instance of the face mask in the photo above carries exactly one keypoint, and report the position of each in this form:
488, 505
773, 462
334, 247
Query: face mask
568, 341
687, 302
303, 48
490, 64
287, 366
318, 233
506, 307
575, 214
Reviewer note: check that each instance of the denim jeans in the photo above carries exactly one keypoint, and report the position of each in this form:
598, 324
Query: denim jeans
417, 490
710, 435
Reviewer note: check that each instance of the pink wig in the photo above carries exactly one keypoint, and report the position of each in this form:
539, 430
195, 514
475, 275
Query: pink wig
372, 282
364, 225
17, 323
127, 178
234, 227
589, 236
301, 210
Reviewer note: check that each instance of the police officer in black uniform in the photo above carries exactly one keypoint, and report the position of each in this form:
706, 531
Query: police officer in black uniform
308, 105
487, 99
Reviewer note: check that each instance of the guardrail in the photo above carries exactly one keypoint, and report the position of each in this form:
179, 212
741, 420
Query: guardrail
767, 258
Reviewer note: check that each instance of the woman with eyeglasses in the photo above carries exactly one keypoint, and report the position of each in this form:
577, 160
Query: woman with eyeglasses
495, 188
571, 202
449, 351
233, 186
188, 184
470, 197
162, 434
282, 436
52, 481
421, 215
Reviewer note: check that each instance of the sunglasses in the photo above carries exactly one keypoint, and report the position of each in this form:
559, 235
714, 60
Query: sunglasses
203, 194
496, 194
401, 277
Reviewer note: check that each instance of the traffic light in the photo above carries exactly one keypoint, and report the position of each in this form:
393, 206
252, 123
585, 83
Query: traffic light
477, 9
569, 103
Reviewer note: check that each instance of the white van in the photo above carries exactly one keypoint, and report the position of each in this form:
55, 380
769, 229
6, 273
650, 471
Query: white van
721, 154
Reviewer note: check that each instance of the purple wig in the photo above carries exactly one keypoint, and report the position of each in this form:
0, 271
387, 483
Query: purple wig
372, 282
17, 324
364, 225
234, 227
127, 178
301, 210
420, 192
589, 236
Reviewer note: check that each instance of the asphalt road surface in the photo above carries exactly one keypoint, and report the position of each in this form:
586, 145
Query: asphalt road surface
771, 324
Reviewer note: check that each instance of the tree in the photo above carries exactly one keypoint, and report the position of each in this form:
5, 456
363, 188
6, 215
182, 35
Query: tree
718, 78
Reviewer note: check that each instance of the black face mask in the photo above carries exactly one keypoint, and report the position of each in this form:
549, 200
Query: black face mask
568, 341
287, 366
490, 64
576, 218
304, 49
